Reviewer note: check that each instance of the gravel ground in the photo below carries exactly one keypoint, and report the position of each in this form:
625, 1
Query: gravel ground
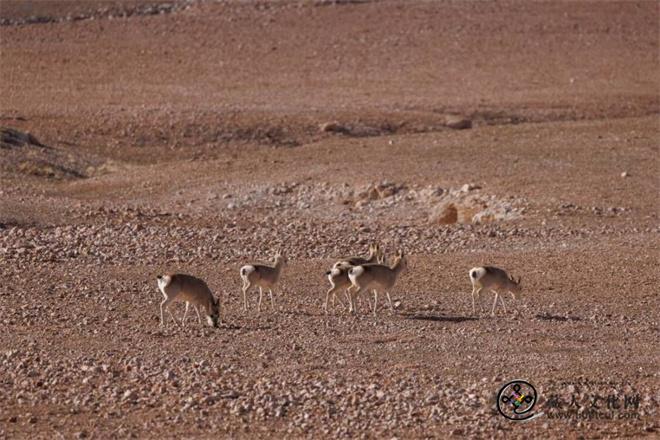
196, 136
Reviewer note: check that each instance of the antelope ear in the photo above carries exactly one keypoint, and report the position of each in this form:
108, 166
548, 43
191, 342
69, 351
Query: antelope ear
519, 278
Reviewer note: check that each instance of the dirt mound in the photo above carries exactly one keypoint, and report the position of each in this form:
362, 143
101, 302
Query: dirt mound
27, 13
406, 202
11, 138
389, 123
22, 153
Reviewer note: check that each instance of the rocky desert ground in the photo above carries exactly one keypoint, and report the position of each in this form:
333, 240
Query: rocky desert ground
140, 138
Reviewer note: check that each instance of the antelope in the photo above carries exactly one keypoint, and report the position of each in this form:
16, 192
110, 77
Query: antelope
491, 278
338, 274
375, 276
263, 276
192, 290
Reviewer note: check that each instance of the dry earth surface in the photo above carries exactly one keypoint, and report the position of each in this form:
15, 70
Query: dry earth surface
193, 136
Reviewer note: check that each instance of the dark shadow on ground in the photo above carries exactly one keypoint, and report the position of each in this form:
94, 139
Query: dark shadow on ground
549, 317
439, 318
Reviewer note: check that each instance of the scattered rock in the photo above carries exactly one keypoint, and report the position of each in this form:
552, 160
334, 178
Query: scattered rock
470, 187
333, 127
466, 205
380, 191
458, 122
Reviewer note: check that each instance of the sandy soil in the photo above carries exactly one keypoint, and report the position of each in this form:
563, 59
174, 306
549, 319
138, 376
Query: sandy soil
195, 136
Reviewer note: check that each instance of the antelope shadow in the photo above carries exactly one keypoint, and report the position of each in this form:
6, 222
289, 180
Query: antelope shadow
437, 318
549, 317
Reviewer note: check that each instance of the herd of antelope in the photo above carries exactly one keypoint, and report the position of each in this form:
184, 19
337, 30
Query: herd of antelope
354, 274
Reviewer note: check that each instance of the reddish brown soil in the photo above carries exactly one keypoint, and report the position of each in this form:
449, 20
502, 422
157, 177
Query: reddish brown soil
187, 137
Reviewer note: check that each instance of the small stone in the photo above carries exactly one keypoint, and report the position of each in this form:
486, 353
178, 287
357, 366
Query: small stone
469, 187
457, 122
625, 174
333, 127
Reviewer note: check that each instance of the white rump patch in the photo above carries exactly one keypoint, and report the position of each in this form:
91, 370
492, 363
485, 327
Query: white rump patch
163, 282
478, 271
355, 272
247, 270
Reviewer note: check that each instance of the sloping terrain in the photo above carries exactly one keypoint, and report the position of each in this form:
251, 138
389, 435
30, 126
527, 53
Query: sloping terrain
140, 138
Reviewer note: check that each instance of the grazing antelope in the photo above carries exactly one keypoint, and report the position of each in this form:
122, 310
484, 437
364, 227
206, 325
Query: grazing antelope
192, 290
338, 274
491, 278
375, 276
263, 276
